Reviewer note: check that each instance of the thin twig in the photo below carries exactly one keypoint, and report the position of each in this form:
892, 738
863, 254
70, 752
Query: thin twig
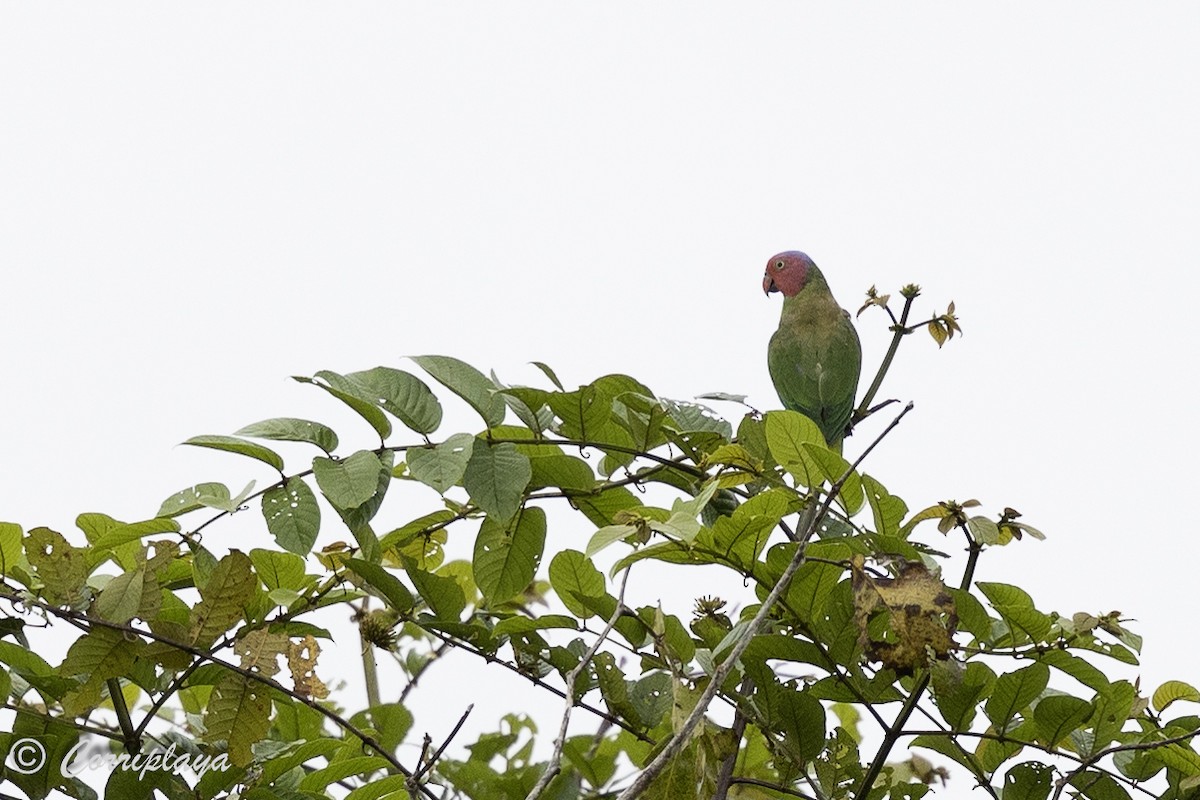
899, 331
428, 765
773, 787
536, 681
434, 655
555, 764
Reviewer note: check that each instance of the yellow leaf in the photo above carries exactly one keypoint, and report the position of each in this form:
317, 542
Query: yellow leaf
921, 617
302, 660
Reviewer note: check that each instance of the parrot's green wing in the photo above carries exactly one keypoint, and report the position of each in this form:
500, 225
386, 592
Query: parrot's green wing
815, 359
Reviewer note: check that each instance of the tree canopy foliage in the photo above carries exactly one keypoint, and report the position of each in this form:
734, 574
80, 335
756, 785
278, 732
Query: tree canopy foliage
851, 665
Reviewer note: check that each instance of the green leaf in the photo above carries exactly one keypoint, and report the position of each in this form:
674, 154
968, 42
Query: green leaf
403, 395
1079, 669
1058, 716
24, 661
340, 769
692, 417
292, 515
1016, 607
62, 567
1028, 781
10, 546
348, 392
444, 595
811, 587
643, 702
1097, 785
1171, 691
774, 646
96, 656
230, 586
123, 597
358, 519
393, 786
601, 508
983, 530
1013, 693
442, 466
305, 752
1112, 708
606, 536
495, 478
290, 429
279, 570
886, 509
972, 616
833, 467
517, 625
506, 558
211, 495
239, 712
1182, 759
468, 383
946, 746
958, 691
742, 536
535, 416
569, 473
124, 533
231, 444
348, 483
787, 432
549, 373
386, 585
992, 752
574, 577
797, 715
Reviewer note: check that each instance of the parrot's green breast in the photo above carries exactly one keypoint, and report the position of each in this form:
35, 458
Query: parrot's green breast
814, 360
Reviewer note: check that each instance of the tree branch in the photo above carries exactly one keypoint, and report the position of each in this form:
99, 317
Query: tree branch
554, 765
337, 719
722, 670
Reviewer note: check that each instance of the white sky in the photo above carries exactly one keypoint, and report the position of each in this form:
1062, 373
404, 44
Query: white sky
197, 201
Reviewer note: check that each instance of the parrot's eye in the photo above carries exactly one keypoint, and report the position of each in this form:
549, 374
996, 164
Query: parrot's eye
778, 265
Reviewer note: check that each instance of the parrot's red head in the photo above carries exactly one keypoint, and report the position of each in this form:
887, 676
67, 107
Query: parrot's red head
787, 272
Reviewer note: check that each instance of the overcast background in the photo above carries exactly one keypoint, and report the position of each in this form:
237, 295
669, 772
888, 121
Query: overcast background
197, 201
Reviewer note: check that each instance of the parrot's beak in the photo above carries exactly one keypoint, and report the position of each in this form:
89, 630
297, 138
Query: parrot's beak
769, 284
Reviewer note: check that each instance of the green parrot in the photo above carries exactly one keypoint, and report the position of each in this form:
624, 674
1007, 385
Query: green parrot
815, 356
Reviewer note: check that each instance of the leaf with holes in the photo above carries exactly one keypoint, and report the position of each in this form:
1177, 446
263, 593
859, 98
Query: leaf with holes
239, 711
293, 516
442, 466
506, 558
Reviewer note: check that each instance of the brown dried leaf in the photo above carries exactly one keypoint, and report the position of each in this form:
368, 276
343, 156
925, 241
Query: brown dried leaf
921, 617
302, 660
